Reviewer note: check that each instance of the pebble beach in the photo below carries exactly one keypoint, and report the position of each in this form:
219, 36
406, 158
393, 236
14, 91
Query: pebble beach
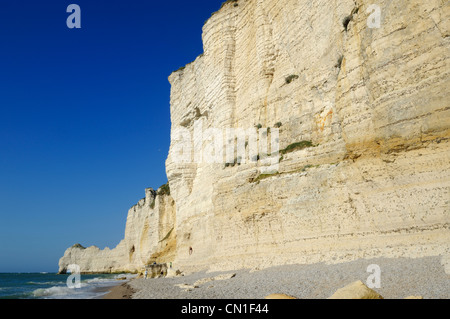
400, 278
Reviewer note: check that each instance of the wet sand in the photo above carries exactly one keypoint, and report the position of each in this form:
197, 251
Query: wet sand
123, 291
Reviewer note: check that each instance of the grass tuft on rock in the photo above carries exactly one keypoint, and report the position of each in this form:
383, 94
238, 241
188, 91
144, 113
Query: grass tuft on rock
164, 190
297, 147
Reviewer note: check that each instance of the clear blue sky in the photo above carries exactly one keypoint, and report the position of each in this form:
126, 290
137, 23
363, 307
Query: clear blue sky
84, 118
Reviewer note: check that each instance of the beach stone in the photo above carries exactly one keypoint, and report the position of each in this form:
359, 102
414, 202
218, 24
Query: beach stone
173, 273
414, 297
356, 290
187, 287
279, 296
225, 277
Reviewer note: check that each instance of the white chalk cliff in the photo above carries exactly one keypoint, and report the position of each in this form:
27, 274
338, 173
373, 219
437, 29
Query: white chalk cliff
369, 111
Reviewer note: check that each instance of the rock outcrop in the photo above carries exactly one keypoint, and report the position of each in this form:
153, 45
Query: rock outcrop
363, 122
149, 237
356, 290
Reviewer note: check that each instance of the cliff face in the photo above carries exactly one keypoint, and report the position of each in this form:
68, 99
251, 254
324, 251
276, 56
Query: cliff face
369, 108
372, 102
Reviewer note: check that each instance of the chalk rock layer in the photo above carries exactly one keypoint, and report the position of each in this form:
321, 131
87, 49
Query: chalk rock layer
149, 237
370, 107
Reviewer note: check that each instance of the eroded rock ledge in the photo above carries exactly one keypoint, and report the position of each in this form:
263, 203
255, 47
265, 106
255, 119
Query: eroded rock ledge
371, 109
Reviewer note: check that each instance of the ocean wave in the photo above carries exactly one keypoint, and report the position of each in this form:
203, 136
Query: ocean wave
110, 280
53, 291
59, 292
90, 288
35, 283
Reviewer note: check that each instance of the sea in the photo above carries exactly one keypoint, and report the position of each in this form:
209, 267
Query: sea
54, 286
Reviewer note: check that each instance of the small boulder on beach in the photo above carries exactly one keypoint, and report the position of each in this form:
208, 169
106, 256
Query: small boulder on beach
356, 290
279, 296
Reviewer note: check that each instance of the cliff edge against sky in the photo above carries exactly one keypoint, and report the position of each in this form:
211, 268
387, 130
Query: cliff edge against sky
363, 123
